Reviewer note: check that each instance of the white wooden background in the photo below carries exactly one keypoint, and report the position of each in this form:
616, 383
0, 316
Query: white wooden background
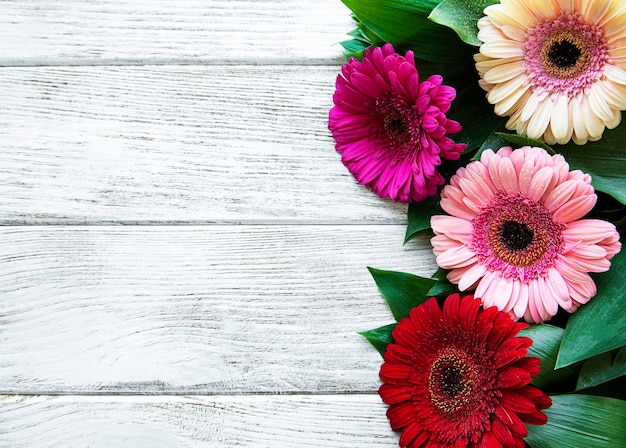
182, 254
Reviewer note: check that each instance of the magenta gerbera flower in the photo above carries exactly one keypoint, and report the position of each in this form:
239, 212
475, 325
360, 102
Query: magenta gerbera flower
390, 127
461, 378
516, 233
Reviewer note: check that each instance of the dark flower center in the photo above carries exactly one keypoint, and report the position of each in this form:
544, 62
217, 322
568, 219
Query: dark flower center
394, 125
516, 236
564, 53
451, 381
398, 126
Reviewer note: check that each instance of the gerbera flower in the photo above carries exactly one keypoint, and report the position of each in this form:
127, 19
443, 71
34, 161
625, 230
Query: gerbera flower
557, 68
390, 128
460, 378
515, 233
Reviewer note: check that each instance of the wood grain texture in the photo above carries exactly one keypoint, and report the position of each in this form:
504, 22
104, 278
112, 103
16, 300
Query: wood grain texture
186, 31
209, 309
175, 144
338, 421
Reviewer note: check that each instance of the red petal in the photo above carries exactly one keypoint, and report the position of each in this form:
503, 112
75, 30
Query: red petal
410, 433
427, 316
513, 377
488, 440
501, 431
451, 309
516, 426
394, 373
393, 394
401, 415
529, 363
536, 418
398, 354
517, 403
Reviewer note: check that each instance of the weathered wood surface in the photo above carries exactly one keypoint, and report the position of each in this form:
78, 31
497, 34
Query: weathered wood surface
338, 421
208, 309
62, 32
182, 254
175, 144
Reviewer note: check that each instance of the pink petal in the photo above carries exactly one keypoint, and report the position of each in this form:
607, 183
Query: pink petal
575, 209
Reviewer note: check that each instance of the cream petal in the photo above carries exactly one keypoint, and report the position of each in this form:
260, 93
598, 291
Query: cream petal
504, 72
502, 49
502, 91
540, 119
513, 102
615, 22
513, 8
541, 9
593, 11
615, 121
598, 103
531, 105
560, 121
615, 74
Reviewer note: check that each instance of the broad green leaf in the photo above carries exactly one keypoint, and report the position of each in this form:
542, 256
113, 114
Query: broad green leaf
576, 421
404, 24
546, 342
443, 287
473, 111
419, 216
461, 16
353, 47
492, 142
380, 337
402, 291
520, 140
604, 160
620, 357
600, 325
600, 369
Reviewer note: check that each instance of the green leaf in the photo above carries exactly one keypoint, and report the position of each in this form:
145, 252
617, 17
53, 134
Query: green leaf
576, 421
473, 111
600, 325
600, 369
402, 291
494, 142
520, 140
380, 337
443, 287
461, 16
546, 342
604, 160
404, 24
419, 216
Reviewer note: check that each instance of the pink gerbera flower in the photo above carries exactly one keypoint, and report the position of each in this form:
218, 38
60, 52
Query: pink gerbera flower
391, 128
515, 233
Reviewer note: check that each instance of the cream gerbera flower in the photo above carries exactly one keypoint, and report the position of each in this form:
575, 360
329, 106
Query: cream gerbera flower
556, 67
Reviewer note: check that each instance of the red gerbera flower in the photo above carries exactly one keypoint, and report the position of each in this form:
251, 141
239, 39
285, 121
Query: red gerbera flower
460, 377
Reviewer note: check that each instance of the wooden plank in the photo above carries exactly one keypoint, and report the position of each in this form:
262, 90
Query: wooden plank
156, 31
338, 421
184, 309
175, 144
